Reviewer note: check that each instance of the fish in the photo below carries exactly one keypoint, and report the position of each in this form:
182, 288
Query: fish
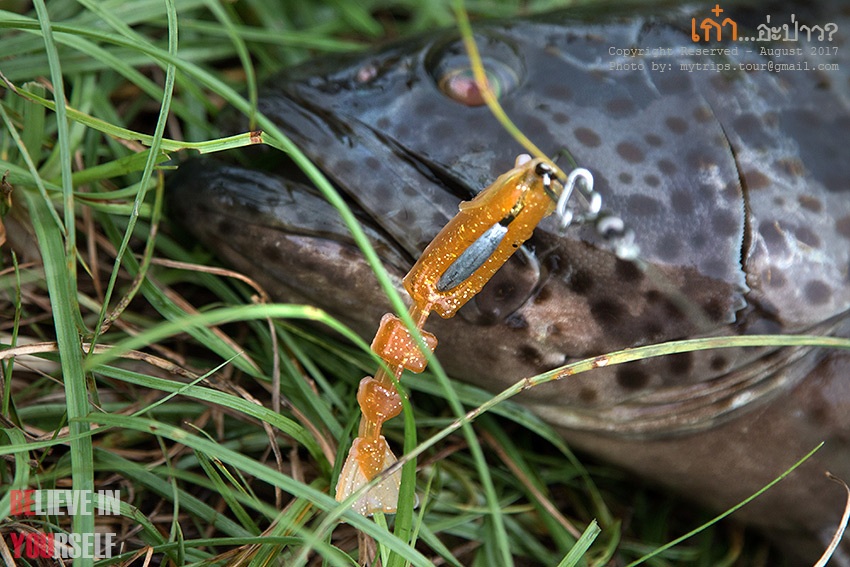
728, 159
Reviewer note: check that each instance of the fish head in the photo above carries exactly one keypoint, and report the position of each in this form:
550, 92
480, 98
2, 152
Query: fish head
733, 183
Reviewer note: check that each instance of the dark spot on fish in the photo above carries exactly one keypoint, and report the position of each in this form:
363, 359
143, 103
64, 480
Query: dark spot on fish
669, 247
750, 128
383, 123
666, 166
680, 363
608, 312
818, 413
653, 140
718, 362
754, 179
681, 202
587, 395
344, 166
587, 137
724, 223
842, 226
732, 191
530, 355
713, 309
543, 295
676, 125
372, 163
424, 109
790, 166
625, 178
653, 296
630, 152
773, 236
644, 205
720, 82
630, 378
671, 310
703, 114
817, 292
673, 84
557, 91
764, 326
560, 118
529, 124
697, 161
698, 240
581, 282
271, 253
620, 107
651, 181
386, 193
407, 190
810, 203
807, 237
516, 321
774, 277
627, 271
771, 119
652, 331
441, 130
402, 130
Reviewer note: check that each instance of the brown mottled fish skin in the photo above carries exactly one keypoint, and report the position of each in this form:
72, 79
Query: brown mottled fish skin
736, 183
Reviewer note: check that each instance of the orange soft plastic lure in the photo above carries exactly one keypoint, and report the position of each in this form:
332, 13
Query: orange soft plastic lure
454, 267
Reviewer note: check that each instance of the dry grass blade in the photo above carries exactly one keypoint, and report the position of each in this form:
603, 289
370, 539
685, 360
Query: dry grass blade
842, 525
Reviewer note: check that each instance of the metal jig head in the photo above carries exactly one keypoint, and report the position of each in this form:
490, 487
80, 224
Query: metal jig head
609, 226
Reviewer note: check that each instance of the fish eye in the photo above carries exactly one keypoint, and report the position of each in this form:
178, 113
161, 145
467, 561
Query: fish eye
449, 67
459, 84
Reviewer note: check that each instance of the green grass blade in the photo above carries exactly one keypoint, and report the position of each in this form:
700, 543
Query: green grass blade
64, 153
21, 480
576, 554
59, 285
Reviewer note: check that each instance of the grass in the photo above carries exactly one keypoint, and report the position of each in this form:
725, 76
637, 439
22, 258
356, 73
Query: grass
130, 364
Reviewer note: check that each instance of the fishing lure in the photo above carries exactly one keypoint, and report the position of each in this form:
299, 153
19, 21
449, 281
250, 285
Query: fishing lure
454, 267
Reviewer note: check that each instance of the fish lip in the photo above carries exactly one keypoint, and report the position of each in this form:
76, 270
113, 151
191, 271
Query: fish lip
200, 190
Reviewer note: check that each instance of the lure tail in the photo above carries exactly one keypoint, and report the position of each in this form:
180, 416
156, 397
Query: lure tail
383, 497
